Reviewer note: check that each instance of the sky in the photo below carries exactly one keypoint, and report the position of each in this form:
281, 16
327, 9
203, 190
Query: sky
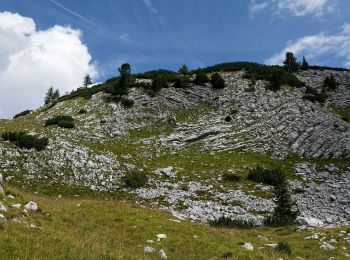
55, 43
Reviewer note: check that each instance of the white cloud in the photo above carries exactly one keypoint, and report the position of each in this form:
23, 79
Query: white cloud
32, 60
318, 45
295, 7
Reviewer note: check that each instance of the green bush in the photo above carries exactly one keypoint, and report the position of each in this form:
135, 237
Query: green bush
201, 78
267, 176
158, 82
168, 75
230, 177
62, 121
330, 83
217, 81
285, 212
66, 123
313, 95
82, 111
135, 179
231, 223
25, 112
284, 248
127, 102
24, 140
11, 136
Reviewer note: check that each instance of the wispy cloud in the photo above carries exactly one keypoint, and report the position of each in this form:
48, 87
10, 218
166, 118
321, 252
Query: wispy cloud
150, 6
318, 45
82, 18
294, 7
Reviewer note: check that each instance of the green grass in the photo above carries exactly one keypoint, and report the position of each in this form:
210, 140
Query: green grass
109, 229
342, 112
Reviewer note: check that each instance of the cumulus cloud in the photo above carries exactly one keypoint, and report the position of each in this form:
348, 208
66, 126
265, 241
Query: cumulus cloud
295, 7
318, 45
32, 60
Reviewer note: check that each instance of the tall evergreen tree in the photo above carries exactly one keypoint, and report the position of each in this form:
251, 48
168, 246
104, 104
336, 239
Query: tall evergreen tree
48, 96
51, 95
201, 78
87, 81
121, 88
184, 70
290, 62
304, 64
284, 213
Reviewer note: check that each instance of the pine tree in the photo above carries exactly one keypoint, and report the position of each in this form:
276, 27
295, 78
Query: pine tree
284, 213
56, 94
184, 70
87, 81
330, 83
201, 78
217, 82
121, 88
48, 96
290, 62
304, 64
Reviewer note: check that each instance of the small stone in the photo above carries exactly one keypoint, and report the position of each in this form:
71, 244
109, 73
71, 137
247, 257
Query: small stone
248, 246
162, 254
31, 206
263, 238
2, 207
2, 216
10, 196
148, 250
326, 246
160, 236
17, 206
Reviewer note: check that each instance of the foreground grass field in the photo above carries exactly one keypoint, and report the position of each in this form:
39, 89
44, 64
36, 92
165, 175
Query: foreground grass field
87, 228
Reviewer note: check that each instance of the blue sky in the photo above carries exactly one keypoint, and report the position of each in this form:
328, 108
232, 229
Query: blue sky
152, 34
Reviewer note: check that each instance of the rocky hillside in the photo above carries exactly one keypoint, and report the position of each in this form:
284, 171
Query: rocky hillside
185, 140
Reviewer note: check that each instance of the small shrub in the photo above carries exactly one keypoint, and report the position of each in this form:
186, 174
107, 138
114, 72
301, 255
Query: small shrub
314, 96
345, 118
230, 177
24, 140
11, 136
217, 81
227, 254
284, 248
62, 121
181, 82
201, 78
66, 123
228, 118
82, 111
330, 83
267, 176
231, 223
127, 102
25, 112
135, 179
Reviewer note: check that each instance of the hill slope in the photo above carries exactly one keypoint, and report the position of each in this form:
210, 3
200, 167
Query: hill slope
181, 140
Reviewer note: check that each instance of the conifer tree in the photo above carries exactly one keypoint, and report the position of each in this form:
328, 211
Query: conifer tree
304, 64
48, 96
87, 81
290, 62
285, 212
122, 86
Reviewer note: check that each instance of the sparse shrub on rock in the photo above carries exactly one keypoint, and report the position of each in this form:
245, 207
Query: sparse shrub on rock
82, 111
135, 179
313, 95
25, 112
24, 140
267, 176
127, 102
284, 248
230, 177
217, 81
330, 83
201, 78
62, 121
231, 223
228, 118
